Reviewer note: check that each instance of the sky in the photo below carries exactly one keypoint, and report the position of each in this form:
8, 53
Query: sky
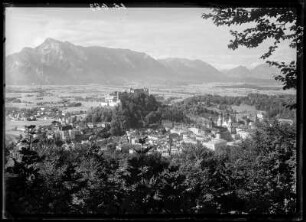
159, 32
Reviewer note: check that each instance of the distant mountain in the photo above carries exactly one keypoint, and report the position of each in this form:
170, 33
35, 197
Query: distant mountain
238, 72
57, 62
260, 73
264, 71
196, 70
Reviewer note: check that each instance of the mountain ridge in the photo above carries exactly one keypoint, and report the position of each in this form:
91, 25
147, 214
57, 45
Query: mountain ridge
57, 62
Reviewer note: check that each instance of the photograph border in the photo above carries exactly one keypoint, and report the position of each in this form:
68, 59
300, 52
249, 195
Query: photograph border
299, 5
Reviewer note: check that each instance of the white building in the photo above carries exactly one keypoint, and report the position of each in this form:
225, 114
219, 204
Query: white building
178, 131
111, 100
194, 130
261, 115
285, 121
215, 144
243, 134
189, 140
234, 143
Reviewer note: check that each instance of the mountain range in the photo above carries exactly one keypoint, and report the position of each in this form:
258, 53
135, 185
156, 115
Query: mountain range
57, 62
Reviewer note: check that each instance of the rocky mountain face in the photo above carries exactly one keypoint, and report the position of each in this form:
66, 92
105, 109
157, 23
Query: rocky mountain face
56, 62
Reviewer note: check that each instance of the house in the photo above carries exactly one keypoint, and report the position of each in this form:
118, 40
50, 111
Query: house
286, 121
175, 150
111, 100
189, 140
194, 130
90, 125
165, 154
144, 90
118, 147
20, 128
100, 124
260, 115
62, 135
234, 143
243, 134
215, 144
57, 135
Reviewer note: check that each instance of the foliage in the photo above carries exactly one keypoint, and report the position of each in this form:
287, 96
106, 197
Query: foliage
256, 177
136, 110
175, 113
278, 24
99, 114
274, 105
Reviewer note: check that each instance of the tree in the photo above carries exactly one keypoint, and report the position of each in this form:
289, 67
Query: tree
151, 185
279, 24
23, 181
262, 171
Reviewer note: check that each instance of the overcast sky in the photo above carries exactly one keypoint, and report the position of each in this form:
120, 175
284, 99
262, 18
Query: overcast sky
159, 32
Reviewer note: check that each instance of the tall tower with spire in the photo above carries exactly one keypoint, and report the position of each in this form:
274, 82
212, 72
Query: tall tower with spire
224, 120
230, 120
219, 121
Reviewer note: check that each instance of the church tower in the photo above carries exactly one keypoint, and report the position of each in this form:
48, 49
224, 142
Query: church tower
219, 121
230, 120
211, 123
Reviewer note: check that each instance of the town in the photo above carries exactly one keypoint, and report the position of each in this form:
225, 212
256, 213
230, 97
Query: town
68, 129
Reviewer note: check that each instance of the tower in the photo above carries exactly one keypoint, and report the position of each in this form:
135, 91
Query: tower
210, 123
224, 122
230, 125
218, 135
230, 120
255, 119
219, 121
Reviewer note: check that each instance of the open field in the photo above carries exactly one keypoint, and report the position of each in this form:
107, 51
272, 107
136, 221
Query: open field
92, 95
11, 134
10, 125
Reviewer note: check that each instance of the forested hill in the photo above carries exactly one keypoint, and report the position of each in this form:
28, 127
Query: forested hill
275, 105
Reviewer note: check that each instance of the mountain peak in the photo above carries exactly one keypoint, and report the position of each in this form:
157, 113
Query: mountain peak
66, 63
49, 45
51, 40
241, 67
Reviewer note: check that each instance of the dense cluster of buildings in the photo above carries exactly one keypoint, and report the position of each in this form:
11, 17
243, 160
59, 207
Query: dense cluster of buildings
226, 131
168, 139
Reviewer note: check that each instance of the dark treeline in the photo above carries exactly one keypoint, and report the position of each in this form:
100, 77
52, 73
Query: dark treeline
12, 100
275, 105
256, 177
